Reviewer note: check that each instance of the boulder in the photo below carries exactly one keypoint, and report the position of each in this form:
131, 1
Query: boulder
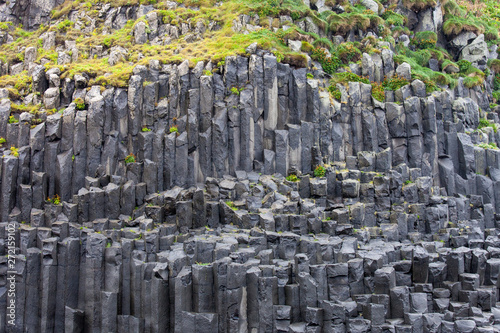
476, 52
371, 5
140, 34
462, 40
404, 70
116, 55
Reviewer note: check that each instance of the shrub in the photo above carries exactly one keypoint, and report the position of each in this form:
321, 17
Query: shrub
329, 64
464, 65
145, 129
319, 171
306, 47
495, 65
392, 18
430, 86
483, 122
80, 103
347, 53
130, 158
292, 178
346, 77
56, 200
174, 129
343, 78
2, 141
425, 39
310, 76
496, 96
488, 145
496, 82
394, 83
335, 92
64, 25
378, 91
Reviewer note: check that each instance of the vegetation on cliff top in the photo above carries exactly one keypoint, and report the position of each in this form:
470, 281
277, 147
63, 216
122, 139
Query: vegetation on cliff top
216, 44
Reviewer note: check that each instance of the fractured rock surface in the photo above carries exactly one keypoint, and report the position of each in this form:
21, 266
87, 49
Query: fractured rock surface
175, 214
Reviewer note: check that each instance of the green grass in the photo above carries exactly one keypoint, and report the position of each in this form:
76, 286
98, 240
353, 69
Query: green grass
425, 74
217, 45
320, 171
488, 145
419, 5
483, 123
425, 39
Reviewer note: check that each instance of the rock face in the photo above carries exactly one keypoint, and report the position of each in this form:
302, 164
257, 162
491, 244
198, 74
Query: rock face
30, 13
461, 41
371, 5
175, 213
246, 199
476, 52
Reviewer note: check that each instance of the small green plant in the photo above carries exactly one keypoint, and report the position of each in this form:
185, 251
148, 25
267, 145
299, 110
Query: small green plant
174, 129
334, 92
394, 83
378, 91
329, 64
408, 182
464, 65
348, 52
130, 158
13, 120
145, 129
207, 72
425, 39
483, 122
491, 145
319, 171
292, 178
496, 82
202, 263
14, 151
80, 103
73, 158
55, 200
392, 18
231, 205
310, 76
2, 141
235, 90
64, 25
